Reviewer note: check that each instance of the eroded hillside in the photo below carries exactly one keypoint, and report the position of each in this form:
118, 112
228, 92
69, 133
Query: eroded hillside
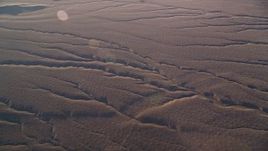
119, 75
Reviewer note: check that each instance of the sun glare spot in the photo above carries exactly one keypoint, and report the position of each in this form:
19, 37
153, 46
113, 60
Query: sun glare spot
62, 15
93, 43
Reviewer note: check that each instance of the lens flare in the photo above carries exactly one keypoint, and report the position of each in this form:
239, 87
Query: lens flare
94, 44
62, 15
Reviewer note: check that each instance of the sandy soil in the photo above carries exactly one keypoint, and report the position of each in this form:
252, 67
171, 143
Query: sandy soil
134, 75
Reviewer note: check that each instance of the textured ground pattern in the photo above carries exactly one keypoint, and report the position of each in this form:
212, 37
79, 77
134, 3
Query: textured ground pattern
133, 75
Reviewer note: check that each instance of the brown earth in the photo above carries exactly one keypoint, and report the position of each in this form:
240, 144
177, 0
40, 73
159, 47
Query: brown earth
134, 75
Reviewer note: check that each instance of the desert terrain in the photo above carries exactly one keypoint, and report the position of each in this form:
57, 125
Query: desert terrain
133, 75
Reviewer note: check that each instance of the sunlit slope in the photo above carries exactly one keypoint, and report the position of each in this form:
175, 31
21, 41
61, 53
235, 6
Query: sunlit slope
135, 75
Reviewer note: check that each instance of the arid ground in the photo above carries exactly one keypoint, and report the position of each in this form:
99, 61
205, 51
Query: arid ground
133, 75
